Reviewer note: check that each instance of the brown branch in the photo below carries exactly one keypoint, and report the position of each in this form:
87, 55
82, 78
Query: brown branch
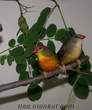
16, 84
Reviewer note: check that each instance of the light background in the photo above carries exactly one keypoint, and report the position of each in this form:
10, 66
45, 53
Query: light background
78, 14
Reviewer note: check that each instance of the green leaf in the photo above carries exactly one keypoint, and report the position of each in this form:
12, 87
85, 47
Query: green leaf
34, 62
88, 78
36, 72
51, 30
24, 75
2, 59
28, 52
43, 16
30, 41
86, 66
64, 35
51, 46
72, 77
20, 68
36, 28
12, 43
21, 39
42, 33
23, 24
61, 35
85, 79
81, 91
34, 92
10, 59
18, 51
82, 81
20, 59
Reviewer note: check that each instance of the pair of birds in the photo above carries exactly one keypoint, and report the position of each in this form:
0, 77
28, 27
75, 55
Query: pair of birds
68, 53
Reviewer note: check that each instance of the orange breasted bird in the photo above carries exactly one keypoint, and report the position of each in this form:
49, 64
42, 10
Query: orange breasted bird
71, 51
48, 61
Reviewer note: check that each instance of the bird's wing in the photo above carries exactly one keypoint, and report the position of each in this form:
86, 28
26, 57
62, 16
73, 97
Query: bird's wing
61, 51
66, 47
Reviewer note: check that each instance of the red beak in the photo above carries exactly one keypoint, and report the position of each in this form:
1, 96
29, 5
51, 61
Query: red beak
82, 36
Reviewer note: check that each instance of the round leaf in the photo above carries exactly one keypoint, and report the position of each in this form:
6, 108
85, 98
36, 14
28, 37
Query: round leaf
21, 39
36, 72
30, 41
12, 43
18, 51
20, 59
51, 46
34, 62
24, 75
10, 59
2, 59
86, 67
34, 92
28, 52
42, 33
72, 77
82, 81
20, 68
62, 35
81, 91
51, 30
88, 78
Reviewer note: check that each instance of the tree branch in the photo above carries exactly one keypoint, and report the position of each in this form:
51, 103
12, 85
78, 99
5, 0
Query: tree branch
16, 84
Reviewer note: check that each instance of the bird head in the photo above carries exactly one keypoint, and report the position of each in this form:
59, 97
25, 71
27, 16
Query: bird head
81, 36
38, 49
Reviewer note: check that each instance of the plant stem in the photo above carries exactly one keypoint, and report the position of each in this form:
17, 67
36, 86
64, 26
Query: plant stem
20, 7
16, 84
9, 49
81, 72
60, 11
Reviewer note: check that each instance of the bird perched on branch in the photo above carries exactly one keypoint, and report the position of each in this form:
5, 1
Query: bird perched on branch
48, 61
68, 53
71, 51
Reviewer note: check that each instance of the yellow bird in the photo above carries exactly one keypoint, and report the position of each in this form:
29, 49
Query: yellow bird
48, 61
71, 51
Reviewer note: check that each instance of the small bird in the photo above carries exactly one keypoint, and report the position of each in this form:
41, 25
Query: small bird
48, 61
71, 51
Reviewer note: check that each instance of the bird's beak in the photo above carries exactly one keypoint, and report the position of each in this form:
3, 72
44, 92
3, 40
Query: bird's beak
82, 36
34, 51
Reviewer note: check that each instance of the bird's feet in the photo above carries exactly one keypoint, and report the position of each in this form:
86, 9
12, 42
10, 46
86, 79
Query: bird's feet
45, 74
78, 63
48, 74
63, 68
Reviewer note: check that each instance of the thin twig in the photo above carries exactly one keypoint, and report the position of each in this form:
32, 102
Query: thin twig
19, 83
9, 49
20, 7
61, 13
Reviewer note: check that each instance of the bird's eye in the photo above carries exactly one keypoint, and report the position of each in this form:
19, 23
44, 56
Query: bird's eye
40, 47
